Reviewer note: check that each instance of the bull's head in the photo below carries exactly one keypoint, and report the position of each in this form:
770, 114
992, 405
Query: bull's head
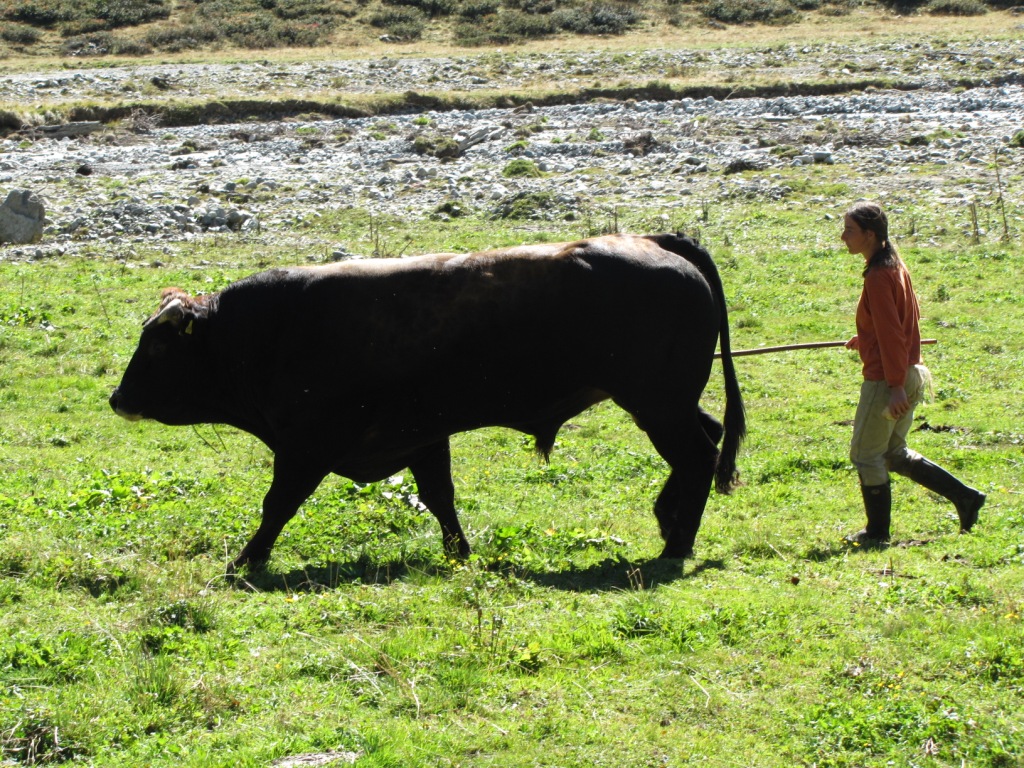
159, 380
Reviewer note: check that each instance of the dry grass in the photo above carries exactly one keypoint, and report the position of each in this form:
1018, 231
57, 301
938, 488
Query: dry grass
866, 25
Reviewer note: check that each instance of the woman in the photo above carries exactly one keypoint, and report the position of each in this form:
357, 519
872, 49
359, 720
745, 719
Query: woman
889, 342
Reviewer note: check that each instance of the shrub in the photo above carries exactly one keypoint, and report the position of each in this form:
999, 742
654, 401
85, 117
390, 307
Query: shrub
430, 8
505, 28
477, 9
1017, 140
957, 8
128, 13
302, 9
38, 13
532, 6
400, 23
104, 43
19, 34
269, 32
597, 19
748, 11
83, 27
512, 26
184, 38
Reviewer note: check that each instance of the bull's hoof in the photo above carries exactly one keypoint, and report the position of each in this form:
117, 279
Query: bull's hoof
240, 562
675, 553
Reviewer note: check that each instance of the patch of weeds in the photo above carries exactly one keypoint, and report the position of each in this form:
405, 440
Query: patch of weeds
49, 661
27, 317
547, 549
543, 205
31, 735
80, 570
879, 717
194, 615
528, 658
996, 660
521, 167
154, 683
517, 147
436, 146
638, 617
451, 209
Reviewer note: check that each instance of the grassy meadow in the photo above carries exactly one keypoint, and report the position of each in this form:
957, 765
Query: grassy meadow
562, 642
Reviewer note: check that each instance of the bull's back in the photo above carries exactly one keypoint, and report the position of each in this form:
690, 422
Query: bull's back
499, 329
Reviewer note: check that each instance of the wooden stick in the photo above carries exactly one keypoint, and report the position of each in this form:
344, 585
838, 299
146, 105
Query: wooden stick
788, 347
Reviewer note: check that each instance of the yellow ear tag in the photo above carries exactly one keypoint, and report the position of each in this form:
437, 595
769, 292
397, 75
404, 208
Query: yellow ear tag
188, 328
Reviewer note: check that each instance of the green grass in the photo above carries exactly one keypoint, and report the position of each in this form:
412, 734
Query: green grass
562, 642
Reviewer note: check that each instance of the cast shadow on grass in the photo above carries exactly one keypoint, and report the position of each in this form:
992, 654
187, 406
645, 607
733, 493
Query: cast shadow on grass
611, 574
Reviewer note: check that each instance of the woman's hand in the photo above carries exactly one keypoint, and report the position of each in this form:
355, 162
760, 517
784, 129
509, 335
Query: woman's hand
899, 405
853, 343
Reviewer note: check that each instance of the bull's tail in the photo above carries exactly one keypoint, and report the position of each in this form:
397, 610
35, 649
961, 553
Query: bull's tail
735, 420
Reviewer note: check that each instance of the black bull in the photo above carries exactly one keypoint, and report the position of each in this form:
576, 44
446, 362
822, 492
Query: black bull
364, 368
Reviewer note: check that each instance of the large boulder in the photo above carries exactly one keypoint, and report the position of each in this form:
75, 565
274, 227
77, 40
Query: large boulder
21, 217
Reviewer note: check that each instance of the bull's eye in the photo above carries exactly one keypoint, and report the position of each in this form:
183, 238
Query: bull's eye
157, 349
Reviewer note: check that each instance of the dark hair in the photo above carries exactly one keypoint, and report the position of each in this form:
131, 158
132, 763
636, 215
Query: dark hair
871, 217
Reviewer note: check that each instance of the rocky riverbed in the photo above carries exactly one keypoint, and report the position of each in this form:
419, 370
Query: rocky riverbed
146, 184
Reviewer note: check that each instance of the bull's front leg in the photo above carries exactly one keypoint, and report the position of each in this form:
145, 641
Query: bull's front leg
294, 482
432, 468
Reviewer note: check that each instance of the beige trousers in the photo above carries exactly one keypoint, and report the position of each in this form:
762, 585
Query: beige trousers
878, 442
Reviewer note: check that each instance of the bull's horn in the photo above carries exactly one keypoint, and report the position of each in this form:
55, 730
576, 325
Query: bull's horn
173, 313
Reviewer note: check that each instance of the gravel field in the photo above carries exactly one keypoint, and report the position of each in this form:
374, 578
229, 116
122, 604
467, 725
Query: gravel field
170, 185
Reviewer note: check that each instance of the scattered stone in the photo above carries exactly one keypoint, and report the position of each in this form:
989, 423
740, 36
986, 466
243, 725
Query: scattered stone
22, 217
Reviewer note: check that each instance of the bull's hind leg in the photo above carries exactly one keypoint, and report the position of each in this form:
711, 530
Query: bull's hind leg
684, 443
432, 468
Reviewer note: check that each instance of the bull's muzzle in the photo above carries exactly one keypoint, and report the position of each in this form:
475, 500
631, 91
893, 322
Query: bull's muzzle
115, 403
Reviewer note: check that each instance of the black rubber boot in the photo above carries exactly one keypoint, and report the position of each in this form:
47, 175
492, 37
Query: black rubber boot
967, 500
878, 507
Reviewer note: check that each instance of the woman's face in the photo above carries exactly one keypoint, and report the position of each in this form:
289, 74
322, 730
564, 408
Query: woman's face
859, 241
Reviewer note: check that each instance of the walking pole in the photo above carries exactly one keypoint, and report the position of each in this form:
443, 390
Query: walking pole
788, 347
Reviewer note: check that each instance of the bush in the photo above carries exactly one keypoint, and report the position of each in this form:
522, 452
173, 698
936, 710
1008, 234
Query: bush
957, 8
19, 34
102, 44
129, 13
184, 38
400, 23
532, 6
505, 28
109, 13
1017, 140
269, 32
748, 11
520, 25
40, 13
83, 27
431, 8
477, 9
294, 10
597, 19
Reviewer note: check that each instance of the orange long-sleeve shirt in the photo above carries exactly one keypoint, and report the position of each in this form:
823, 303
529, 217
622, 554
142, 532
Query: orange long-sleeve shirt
888, 325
